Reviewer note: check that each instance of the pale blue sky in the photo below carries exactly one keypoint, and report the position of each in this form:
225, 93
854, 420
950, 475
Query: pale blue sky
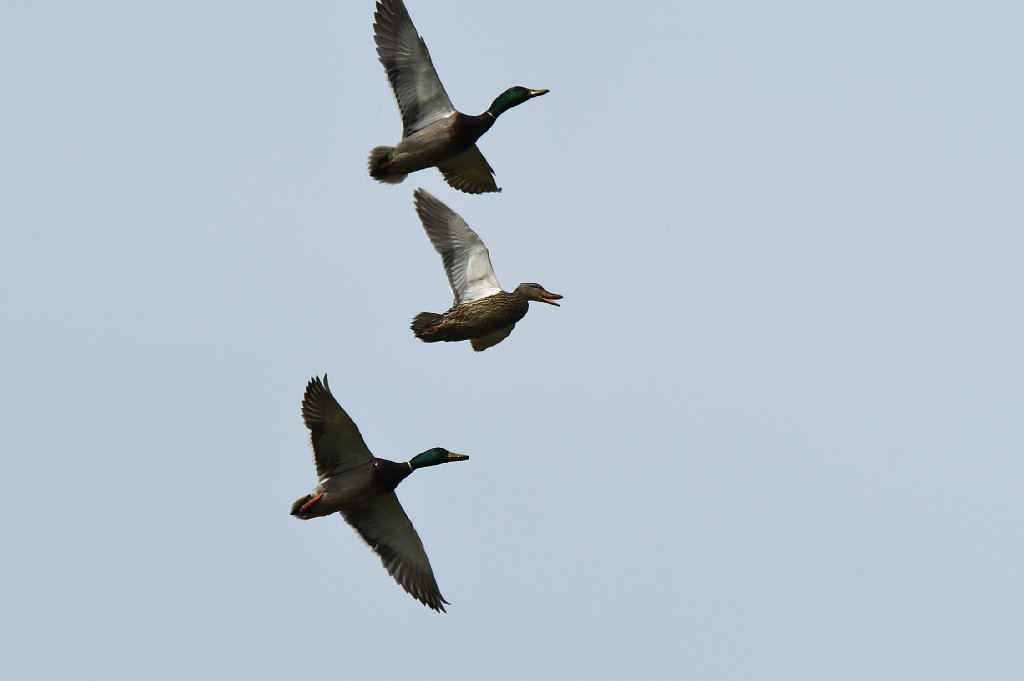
773, 432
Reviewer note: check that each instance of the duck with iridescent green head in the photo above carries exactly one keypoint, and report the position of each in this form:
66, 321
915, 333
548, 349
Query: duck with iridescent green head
361, 488
434, 133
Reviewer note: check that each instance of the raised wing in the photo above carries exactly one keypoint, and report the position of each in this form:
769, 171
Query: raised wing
420, 95
469, 172
384, 526
466, 260
337, 444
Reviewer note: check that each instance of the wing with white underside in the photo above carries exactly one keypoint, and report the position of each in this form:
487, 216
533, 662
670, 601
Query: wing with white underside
387, 530
421, 97
466, 260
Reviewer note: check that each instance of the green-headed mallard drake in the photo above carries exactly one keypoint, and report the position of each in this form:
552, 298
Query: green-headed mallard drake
434, 133
361, 488
482, 312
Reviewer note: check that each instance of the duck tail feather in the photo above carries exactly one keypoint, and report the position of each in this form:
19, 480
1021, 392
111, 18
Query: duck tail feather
378, 164
422, 323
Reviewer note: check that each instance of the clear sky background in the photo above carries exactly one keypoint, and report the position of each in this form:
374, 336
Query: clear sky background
773, 432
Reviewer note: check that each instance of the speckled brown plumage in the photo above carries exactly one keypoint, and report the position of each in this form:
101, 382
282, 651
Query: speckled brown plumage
473, 319
482, 312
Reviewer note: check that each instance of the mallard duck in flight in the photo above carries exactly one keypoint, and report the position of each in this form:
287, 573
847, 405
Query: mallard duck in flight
361, 488
434, 133
482, 312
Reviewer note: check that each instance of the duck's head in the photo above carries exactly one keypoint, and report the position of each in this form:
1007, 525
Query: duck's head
514, 96
537, 292
434, 457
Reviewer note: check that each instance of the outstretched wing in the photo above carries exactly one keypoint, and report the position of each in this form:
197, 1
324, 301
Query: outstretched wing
466, 260
420, 95
384, 526
469, 172
337, 444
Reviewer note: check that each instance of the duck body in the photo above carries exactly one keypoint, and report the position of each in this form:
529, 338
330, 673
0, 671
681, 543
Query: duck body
428, 147
472, 320
434, 133
361, 488
356, 486
482, 312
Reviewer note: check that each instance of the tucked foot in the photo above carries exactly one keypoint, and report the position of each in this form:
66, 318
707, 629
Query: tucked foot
308, 504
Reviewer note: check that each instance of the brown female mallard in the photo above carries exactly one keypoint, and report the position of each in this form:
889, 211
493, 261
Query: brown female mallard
482, 313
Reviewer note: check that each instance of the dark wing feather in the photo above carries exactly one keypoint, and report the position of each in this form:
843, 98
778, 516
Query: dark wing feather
384, 526
337, 444
421, 97
490, 340
469, 172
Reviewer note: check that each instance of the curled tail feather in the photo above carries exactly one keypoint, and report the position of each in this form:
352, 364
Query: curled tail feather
422, 323
378, 164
